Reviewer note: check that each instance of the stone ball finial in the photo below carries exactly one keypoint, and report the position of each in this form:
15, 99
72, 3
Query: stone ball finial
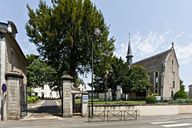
67, 77
172, 44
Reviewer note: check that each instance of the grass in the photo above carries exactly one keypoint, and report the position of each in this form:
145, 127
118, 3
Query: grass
32, 99
97, 102
118, 102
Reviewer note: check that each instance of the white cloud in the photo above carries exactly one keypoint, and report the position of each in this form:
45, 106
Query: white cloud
151, 43
184, 53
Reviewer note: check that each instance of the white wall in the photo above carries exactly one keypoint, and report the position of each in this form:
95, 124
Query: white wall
150, 110
46, 91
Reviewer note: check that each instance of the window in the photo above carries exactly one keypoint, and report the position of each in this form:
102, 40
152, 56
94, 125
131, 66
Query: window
173, 84
156, 74
156, 85
171, 94
156, 91
173, 78
172, 62
156, 77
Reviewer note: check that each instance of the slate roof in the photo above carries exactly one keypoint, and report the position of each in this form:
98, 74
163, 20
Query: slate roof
155, 60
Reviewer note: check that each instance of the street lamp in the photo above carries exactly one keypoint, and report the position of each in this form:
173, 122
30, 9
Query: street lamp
96, 32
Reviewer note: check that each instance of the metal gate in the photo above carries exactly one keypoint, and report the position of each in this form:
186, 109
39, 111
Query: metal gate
111, 115
77, 104
23, 100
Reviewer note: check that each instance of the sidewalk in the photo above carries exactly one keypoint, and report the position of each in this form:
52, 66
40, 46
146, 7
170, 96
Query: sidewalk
83, 122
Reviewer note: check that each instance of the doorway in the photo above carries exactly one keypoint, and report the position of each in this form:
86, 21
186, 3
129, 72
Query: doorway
77, 104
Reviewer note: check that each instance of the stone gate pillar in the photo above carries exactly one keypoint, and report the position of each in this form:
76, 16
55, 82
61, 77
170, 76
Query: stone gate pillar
85, 101
67, 96
13, 95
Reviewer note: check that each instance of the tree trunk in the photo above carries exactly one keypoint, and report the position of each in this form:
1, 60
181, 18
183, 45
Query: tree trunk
114, 96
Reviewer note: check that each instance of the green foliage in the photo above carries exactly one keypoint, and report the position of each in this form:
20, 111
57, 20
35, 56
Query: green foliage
32, 99
118, 75
151, 99
180, 95
38, 72
111, 78
138, 80
79, 82
182, 86
181, 101
64, 34
118, 102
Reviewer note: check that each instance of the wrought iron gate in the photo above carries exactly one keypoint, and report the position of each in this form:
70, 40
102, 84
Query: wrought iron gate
23, 100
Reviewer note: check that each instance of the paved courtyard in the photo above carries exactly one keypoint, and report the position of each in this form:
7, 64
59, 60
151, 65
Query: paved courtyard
45, 109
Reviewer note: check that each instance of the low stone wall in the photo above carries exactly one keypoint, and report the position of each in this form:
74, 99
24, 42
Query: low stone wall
148, 110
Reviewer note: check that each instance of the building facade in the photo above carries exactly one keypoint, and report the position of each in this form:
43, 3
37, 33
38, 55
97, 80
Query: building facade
12, 74
46, 92
163, 70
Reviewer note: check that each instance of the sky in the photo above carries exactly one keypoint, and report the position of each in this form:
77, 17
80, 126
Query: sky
152, 24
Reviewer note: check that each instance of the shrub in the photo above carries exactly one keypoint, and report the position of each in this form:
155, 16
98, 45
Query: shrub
32, 99
151, 99
180, 95
182, 101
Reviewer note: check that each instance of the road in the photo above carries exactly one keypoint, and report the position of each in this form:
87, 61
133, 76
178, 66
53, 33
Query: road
46, 115
49, 109
176, 121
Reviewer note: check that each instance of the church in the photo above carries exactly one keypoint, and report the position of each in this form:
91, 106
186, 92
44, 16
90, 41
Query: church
163, 70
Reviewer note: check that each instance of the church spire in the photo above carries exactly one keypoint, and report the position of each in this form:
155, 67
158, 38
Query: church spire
129, 54
172, 45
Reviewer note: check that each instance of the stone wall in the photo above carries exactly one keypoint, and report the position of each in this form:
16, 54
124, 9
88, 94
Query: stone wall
171, 74
13, 98
149, 110
15, 61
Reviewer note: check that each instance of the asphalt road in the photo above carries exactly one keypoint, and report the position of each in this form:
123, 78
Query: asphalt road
77, 122
48, 108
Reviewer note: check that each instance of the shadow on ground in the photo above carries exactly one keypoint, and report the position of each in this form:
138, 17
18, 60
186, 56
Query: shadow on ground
49, 107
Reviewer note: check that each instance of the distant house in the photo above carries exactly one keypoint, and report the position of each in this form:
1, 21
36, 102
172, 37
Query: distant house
12, 73
190, 91
46, 92
163, 69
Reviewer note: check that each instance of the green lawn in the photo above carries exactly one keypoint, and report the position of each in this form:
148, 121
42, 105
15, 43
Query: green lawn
97, 102
118, 102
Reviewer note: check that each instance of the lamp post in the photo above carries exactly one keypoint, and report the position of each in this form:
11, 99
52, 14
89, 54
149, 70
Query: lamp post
96, 32
106, 82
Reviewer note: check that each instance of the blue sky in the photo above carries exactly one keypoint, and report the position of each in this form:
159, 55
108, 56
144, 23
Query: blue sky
153, 24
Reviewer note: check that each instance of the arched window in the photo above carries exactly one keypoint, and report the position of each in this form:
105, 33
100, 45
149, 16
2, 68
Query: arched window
156, 78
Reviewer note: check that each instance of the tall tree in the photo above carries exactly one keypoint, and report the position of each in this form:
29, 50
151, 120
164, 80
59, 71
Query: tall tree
138, 80
64, 34
38, 72
116, 75
182, 86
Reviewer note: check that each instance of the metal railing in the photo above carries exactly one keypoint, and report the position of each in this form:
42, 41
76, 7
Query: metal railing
112, 115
